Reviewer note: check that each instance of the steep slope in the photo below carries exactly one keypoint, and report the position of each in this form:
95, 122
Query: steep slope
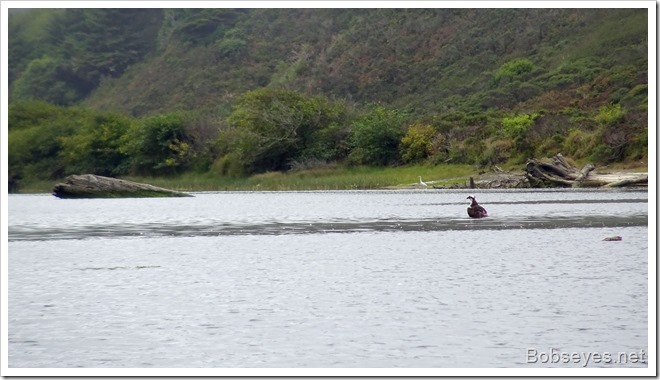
429, 60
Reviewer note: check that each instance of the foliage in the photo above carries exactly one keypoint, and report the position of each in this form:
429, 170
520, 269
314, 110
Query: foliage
157, 145
96, 147
274, 90
82, 47
517, 125
29, 37
514, 68
276, 126
35, 140
496, 152
400, 58
200, 26
43, 79
375, 137
30, 114
418, 143
610, 115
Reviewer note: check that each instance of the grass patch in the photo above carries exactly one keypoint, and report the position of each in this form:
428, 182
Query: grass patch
35, 186
341, 178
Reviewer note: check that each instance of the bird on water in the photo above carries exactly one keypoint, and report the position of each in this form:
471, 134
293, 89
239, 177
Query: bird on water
422, 182
475, 210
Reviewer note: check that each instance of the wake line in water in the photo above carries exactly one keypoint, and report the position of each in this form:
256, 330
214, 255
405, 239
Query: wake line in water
160, 230
553, 201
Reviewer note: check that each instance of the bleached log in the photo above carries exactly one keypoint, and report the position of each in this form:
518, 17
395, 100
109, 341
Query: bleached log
96, 186
560, 173
639, 180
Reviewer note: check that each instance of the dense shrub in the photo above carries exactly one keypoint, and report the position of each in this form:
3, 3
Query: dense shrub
418, 142
514, 68
45, 79
516, 125
96, 146
496, 152
157, 145
375, 137
579, 143
275, 127
610, 115
32, 113
35, 139
516, 128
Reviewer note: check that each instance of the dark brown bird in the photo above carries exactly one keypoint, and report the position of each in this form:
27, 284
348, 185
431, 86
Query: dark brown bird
475, 210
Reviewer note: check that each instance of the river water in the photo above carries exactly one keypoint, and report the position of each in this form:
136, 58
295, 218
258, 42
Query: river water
328, 279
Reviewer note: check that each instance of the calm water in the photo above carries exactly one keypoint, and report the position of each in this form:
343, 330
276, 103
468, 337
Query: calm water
327, 279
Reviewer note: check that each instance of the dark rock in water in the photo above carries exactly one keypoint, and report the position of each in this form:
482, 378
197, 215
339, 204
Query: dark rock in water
613, 238
95, 186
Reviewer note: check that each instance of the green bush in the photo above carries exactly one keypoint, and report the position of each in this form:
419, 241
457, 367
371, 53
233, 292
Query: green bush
610, 115
44, 79
230, 47
639, 146
579, 144
276, 126
157, 145
417, 144
375, 137
228, 165
602, 153
517, 125
35, 140
496, 152
514, 68
32, 113
96, 146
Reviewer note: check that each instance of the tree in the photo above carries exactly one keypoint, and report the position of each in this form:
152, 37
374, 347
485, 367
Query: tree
82, 47
417, 144
35, 139
375, 137
104, 42
516, 127
96, 147
276, 126
45, 79
157, 144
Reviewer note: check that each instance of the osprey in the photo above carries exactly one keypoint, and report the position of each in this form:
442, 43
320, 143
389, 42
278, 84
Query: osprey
476, 211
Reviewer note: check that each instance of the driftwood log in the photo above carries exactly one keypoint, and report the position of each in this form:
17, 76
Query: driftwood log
95, 186
559, 173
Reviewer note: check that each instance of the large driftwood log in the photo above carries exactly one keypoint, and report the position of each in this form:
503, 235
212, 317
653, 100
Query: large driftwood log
556, 173
95, 186
639, 180
559, 173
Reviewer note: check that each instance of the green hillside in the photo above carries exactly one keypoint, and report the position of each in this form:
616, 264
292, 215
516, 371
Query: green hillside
233, 92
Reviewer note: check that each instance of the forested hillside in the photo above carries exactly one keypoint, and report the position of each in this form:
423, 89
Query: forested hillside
242, 91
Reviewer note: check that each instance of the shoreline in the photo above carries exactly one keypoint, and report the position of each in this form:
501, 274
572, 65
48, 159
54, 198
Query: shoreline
342, 178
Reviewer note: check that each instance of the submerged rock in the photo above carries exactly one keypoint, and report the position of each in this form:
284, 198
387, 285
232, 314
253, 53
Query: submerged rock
96, 186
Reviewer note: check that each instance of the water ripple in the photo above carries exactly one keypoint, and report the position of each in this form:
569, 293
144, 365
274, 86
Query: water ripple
157, 230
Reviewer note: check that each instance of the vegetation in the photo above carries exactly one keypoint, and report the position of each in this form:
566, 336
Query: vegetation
240, 95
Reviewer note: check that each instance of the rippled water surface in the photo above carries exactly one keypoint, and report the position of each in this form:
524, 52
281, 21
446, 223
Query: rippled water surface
326, 279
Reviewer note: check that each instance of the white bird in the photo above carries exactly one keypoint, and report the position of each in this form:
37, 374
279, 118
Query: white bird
422, 182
